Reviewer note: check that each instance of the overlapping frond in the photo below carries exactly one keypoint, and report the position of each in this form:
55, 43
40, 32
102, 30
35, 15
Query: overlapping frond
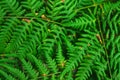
12, 7
59, 40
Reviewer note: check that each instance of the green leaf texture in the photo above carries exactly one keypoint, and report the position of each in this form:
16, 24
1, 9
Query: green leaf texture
59, 39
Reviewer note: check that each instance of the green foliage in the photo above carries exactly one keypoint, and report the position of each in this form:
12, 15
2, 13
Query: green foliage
59, 40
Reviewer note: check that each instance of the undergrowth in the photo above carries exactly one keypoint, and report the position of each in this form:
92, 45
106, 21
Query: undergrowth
59, 39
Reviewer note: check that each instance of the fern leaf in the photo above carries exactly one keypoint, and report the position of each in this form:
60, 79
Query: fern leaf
7, 77
28, 68
13, 7
81, 22
41, 67
15, 72
6, 32
32, 5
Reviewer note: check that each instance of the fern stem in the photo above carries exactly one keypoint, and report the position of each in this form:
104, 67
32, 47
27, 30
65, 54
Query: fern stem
103, 43
49, 75
22, 17
86, 7
51, 21
16, 17
93, 2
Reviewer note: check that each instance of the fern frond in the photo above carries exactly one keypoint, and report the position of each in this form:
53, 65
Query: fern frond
2, 14
43, 71
70, 76
51, 64
99, 68
82, 3
59, 57
15, 72
92, 50
6, 76
113, 44
69, 9
19, 36
75, 58
81, 22
7, 31
59, 39
32, 6
31, 73
13, 7
33, 40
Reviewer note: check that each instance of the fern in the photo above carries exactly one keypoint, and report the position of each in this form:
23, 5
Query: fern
59, 39
12, 7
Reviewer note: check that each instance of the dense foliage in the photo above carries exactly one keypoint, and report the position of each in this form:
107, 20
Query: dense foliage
59, 39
